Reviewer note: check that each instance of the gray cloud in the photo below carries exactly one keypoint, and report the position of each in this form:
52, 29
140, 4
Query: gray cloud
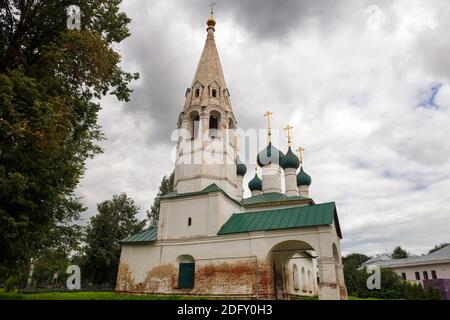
352, 94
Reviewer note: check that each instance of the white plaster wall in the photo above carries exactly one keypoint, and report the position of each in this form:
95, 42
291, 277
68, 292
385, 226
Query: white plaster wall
290, 179
442, 271
303, 191
142, 258
208, 214
310, 288
271, 178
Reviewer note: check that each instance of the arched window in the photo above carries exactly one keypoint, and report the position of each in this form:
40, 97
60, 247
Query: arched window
186, 272
231, 124
214, 121
295, 278
214, 93
303, 279
189, 221
194, 120
197, 93
310, 286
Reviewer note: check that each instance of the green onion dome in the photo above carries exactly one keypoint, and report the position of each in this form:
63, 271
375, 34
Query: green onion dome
270, 155
290, 160
241, 168
303, 179
255, 184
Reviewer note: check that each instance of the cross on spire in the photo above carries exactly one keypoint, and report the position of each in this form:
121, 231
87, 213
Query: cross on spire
300, 153
269, 129
288, 129
211, 5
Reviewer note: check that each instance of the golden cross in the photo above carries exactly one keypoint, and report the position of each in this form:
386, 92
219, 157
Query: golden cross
212, 4
269, 129
288, 129
300, 153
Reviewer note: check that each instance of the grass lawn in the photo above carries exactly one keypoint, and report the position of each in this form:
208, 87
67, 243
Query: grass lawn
356, 298
13, 295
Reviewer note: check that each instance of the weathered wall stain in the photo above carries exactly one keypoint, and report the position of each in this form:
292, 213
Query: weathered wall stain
243, 277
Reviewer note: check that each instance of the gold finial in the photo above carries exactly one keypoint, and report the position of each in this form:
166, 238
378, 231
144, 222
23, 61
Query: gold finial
211, 21
288, 129
269, 129
300, 153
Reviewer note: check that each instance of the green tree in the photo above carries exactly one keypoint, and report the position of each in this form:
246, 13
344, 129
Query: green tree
399, 253
116, 219
439, 247
352, 263
50, 80
392, 287
167, 185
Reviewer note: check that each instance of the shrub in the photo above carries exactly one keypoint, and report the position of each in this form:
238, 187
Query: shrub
12, 283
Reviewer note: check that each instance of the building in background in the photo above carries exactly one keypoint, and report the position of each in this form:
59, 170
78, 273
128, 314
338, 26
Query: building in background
429, 270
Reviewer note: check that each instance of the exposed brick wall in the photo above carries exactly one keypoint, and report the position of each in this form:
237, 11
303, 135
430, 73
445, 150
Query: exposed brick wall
241, 278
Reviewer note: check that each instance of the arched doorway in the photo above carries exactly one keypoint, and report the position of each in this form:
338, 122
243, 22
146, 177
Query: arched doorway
279, 257
186, 272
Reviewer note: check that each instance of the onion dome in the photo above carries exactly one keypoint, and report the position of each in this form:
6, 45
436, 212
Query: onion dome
270, 155
241, 168
255, 184
290, 160
303, 179
211, 23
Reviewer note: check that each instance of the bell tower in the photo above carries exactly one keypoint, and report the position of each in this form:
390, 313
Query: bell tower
207, 146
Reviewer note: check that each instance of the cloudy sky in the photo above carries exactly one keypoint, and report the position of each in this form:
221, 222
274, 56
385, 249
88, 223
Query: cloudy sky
366, 84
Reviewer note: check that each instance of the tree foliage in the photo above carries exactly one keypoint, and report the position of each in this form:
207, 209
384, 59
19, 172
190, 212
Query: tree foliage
167, 185
399, 253
392, 287
49, 79
116, 219
351, 264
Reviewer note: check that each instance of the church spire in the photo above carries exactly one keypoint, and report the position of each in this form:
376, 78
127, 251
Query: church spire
209, 81
207, 149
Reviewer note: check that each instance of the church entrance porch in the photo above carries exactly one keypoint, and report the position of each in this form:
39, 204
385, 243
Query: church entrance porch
294, 265
300, 270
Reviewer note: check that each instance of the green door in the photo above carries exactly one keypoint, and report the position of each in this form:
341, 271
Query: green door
186, 276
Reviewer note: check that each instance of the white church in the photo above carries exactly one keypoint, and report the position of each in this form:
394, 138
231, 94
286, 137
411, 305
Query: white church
212, 241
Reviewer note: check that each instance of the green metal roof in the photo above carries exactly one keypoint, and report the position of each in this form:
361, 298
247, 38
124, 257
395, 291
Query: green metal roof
269, 198
298, 217
149, 235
